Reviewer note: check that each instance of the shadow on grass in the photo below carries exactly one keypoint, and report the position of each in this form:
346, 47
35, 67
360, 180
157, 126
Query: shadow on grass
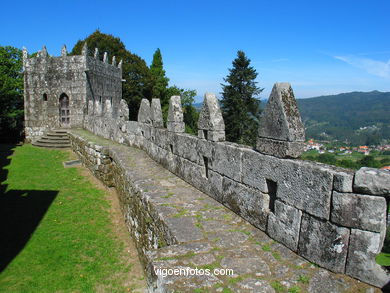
20, 212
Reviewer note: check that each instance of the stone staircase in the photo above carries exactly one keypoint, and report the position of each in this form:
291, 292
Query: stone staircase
56, 138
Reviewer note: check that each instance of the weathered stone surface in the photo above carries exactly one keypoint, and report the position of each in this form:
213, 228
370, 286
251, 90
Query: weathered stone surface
217, 135
253, 167
323, 243
343, 181
227, 160
250, 204
281, 123
175, 111
284, 224
372, 181
279, 148
281, 119
256, 285
205, 148
144, 113
210, 124
359, 211
245, 265
184, 229
175, 115
64, 51
160, 210
325, 282
304, 185
361, 264
156, 113
177, 127
123, 110
185, 146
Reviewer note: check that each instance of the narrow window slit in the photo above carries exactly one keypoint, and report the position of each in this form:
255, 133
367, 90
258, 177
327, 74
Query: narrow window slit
205, 134
206, 167
272, 190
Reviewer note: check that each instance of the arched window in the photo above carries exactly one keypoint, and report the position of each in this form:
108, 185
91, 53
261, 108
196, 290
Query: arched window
64, 110
44, 97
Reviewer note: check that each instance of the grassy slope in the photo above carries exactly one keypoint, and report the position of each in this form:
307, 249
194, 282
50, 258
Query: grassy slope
73, 249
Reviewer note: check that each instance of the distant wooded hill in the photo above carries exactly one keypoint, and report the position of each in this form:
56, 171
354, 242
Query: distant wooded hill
358, 118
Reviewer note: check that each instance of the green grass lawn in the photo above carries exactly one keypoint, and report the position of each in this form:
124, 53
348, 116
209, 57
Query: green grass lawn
57, 234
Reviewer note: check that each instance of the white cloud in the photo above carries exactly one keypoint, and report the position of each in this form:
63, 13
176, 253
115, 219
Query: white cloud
374, 67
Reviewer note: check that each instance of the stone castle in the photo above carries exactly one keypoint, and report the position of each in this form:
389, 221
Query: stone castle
61, 91
333, 217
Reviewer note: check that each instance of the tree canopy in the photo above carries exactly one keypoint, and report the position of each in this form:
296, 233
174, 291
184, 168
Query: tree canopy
138, 84
239, 105
11, 92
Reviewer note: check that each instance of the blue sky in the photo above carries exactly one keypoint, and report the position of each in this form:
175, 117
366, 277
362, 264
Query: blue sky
320, 47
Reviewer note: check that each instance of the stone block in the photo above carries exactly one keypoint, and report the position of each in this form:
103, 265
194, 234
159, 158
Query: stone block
210, 117
252, 168
216, 188
361, 264
372, 181
177, 127
304, 185
144, 113
249, 203
279, 148
359, 211
227, 160
323, 243
185, 146
284, 224
281, 131
205, 148
145, 130
212, 135
156, 113
175, 111
123, 110
343, 181
161, 137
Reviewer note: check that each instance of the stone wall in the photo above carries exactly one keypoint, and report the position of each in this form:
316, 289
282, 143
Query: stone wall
333, 217
174, 226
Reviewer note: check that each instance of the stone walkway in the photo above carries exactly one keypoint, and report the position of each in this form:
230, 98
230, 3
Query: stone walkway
209, 237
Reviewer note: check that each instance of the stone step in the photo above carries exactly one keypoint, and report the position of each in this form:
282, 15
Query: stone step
56, 134
52, 141
51, 145
54, 138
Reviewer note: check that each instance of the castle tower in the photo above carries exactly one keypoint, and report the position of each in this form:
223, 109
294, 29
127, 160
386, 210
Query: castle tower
57, 90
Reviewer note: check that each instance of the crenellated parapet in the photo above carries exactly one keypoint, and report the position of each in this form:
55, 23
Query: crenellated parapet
210, 123
281, 131
331, 216
175, 120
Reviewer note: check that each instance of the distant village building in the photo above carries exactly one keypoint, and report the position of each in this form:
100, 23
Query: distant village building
364, 150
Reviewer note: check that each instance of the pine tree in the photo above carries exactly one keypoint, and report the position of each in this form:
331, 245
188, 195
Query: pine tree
159, 80
239, 105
